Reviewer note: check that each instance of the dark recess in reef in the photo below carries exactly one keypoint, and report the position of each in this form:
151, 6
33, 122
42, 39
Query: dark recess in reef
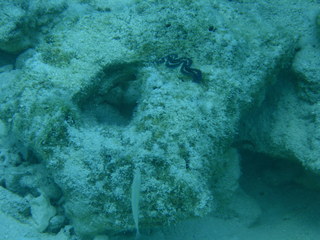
112, 95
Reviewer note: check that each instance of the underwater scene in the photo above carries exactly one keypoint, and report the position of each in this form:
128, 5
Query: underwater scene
159, 119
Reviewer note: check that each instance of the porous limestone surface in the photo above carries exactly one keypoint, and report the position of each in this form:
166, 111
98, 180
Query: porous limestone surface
23, 22
90, 105
286, 124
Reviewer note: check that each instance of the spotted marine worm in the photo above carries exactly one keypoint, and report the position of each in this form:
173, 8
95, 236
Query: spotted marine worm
172, 61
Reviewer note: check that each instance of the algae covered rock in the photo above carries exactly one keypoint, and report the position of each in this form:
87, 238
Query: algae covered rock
91, 105
21, 22
286, 123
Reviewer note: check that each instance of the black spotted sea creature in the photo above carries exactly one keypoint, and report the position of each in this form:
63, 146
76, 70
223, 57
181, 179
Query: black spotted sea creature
173, 61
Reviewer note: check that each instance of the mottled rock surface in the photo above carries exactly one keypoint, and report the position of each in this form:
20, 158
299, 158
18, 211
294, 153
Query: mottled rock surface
89, 105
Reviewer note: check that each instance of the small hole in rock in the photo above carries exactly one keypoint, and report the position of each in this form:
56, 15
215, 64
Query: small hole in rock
113, 96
